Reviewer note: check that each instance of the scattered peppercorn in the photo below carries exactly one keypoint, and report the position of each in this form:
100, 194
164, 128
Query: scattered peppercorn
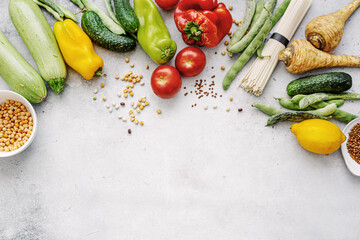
222, 68
122, 104
230, 7
129, 131
240, 110
226, 43
127, 60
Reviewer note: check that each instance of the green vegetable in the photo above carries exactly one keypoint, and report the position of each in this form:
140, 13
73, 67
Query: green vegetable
258, 9
296, 99
99, 34
40, 40
337, 114
338, 102
293, 116
153, 35
267, 108
50, 10
288, 104
54, 6
126, 16
53, 11
325, 111
68, 13
107, 21
317, 97
249, 37
277, 15
240, 31
19, 75
335, 82
110, 11
246, 55
79, 4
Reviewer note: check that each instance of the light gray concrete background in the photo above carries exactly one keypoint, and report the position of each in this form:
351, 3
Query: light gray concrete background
186, 174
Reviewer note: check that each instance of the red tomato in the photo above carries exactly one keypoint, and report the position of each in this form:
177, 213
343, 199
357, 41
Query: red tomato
167, 4
190, 61
166, 81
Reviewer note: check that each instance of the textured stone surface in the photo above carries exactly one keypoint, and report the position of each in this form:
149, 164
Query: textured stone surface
186, 174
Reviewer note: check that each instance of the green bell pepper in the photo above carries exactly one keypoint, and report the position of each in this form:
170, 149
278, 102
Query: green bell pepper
153, 35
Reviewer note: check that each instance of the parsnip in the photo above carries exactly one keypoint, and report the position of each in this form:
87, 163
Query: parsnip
301, 57
325, 32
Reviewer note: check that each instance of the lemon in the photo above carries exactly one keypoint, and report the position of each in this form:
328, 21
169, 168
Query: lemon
318, 136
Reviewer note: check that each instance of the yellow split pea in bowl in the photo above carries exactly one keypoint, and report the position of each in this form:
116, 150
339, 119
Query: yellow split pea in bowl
18, 123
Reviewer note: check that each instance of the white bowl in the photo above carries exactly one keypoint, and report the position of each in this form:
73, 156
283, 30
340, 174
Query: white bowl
351, 164
9, 95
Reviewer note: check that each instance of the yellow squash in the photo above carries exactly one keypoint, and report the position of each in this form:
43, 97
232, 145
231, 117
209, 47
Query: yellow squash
318, 136
77, 49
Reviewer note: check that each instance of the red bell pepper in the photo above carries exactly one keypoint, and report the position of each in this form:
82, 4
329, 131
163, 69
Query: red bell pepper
202, 22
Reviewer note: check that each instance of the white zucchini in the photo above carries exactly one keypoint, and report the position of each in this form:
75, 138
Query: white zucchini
19, 75
36, 32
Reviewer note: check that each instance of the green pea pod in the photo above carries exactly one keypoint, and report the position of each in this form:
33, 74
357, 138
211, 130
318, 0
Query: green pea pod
153, 35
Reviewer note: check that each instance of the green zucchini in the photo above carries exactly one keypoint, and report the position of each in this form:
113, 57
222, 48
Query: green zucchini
99, 34
126, 16
36, 32
335, 82
19, 75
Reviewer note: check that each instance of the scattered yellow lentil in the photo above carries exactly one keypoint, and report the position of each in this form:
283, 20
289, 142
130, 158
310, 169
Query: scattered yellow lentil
147, 66
127, 60
125, 95
223, 53
104, 99
132, 65
141, 123
226, 43
158, 111
230, 7
102, 85
231, 99
222, 68
136, 121
117, 76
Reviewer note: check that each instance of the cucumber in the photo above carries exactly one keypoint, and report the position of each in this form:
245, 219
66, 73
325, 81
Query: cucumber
126, 16
99, 34
335, 82
105, 19
36, 33
19, 75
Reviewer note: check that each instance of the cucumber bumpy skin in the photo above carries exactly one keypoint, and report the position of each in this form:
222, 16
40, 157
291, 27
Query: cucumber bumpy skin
99, 34
126, 16
335, 82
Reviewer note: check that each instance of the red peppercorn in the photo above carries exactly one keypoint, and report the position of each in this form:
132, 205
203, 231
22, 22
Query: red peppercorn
122, 104
129, 131
240, 109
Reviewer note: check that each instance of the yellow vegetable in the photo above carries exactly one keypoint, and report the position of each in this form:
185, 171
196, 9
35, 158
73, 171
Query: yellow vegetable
318, 136
301, 57
325, 32
77, 49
